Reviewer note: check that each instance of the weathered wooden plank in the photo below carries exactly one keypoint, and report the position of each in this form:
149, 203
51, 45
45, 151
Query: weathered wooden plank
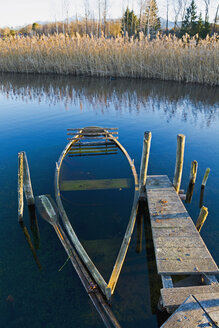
79, 129
209, 301
158, 181
189, 315
171, 223
182, 253
173, 297
193, 266
178, 241
93, 143
174, 232
91, 137
91, 133
93, 154
92, 151
94, 148
100, 184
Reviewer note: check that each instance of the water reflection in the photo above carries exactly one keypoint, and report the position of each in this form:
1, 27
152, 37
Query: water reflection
187, 102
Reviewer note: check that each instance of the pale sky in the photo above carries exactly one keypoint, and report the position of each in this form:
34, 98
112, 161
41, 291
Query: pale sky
15, 13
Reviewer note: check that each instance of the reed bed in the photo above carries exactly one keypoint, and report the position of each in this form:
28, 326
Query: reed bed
164, 58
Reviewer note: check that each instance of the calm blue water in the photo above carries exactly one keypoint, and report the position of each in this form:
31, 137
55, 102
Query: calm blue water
34, 115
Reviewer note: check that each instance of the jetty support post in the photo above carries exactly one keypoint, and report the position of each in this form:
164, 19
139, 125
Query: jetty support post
144, 163
30, 202
179, 162
139, 229
204, 181
202, 217
20, 187
192, 179
142, 186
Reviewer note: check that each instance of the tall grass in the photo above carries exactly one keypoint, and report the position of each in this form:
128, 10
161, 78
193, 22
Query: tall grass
165, 58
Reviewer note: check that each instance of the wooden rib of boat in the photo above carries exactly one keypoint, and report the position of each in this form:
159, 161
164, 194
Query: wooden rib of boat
109, 137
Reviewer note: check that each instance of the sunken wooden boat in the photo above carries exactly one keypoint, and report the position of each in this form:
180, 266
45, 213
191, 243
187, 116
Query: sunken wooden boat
96, 141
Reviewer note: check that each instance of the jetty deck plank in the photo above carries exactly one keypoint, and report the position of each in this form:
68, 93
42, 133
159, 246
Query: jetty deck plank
179, 248
196, 311
173, 297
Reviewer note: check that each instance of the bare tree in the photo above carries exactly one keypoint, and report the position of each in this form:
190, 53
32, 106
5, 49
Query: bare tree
142, 7
183, 9
149, 14
99, 18
215, 19
207, 4
66, 9
105, 9
86, 13
167, 17
177, 6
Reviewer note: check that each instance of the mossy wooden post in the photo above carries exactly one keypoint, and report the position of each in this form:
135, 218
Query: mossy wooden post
202, 217
20, 187
204, 181
30, 202
179, 161
144, 162
192, 178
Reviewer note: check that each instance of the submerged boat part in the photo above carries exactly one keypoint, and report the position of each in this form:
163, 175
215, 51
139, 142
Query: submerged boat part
80, 137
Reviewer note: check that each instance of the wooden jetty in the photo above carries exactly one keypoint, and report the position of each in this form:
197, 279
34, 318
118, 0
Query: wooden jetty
196, 311
179, 248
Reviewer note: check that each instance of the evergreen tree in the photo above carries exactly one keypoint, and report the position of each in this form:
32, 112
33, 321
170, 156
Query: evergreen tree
152, 18
189, 24
129, 22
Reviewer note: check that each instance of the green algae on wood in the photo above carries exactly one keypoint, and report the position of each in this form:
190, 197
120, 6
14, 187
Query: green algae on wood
100, 184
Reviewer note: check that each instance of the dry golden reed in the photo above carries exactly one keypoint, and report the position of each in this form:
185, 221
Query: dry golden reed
164, 58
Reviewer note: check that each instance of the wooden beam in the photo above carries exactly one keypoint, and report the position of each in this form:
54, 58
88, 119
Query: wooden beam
100, 184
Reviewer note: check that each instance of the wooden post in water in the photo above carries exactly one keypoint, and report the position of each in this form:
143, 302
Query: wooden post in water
30, 202
203, 187
139, 233
192, 178
179, 162
202, 217
144, 162
20, 187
